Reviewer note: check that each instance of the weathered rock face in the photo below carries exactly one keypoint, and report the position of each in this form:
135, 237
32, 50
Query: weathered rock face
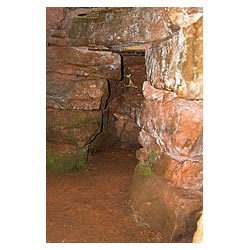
168, 177
77, 93
55, 34
96, 26
80, 61
136, 28
176, 63
176, 123
72, 126
68, 134
83, 94
163, 207
62, 157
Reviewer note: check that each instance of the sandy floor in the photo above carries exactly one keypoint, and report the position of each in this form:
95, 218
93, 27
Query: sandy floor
92, 206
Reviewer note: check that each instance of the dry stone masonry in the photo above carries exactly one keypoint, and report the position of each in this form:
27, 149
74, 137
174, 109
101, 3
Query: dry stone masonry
131, 75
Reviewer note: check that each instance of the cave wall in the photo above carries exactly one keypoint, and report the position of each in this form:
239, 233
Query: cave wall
92, 75
97, 84
77, 92
169, 176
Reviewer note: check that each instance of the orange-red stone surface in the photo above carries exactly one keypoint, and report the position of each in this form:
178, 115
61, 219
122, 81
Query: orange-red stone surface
81, 61
76, 94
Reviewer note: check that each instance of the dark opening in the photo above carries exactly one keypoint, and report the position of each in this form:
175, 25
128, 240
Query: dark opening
81, 15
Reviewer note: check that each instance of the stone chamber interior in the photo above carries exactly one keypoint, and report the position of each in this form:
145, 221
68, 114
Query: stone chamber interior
128, 82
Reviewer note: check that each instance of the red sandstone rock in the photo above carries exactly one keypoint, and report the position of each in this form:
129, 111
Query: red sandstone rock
125, 109
76, 94
75, 127
126, 128
175, 125
61, 157
163, 207
172, 127
127, 25
83, 62
187, 175
54, 15
166, 194
55, 35
106, 26
176, 63
171, 136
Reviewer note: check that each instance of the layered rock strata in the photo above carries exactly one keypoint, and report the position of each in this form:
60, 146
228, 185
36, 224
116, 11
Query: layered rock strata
76, 99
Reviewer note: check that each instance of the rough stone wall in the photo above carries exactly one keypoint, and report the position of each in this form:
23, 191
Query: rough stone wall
176, 63
77, 92
166, 192
169, 176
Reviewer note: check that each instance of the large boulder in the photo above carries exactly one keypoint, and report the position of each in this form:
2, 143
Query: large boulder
159, 205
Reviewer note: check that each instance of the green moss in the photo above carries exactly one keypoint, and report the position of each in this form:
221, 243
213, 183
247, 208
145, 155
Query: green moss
143, 169
76, 123
62, 162
151, 157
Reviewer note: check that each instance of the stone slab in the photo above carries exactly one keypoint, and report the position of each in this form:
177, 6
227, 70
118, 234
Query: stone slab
74, 127
83, 62
76, 94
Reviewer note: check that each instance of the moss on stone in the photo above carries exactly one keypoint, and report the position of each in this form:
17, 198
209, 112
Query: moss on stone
63, 162
78, 122
143, 170
152, 157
